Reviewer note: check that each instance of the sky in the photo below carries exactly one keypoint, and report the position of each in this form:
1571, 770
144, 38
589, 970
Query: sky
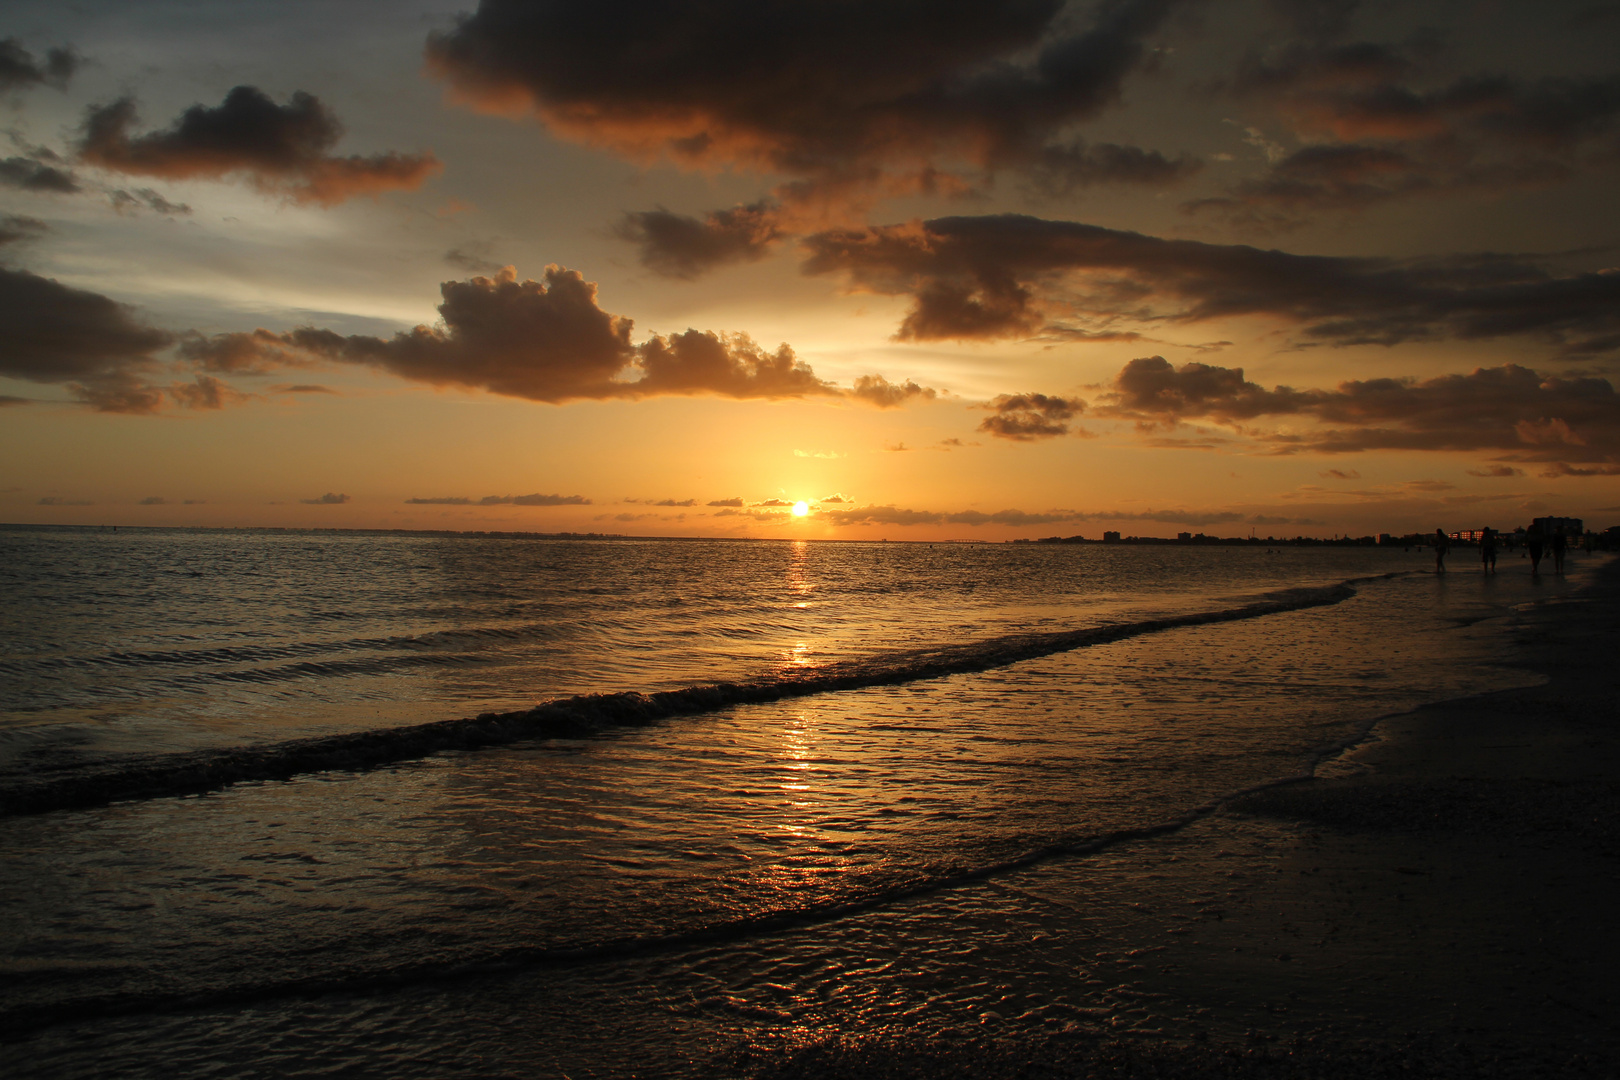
934, 270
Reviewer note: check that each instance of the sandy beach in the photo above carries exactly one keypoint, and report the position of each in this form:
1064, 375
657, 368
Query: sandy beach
1437, 902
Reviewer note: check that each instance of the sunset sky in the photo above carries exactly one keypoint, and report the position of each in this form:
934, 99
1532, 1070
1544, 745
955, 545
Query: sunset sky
942, 270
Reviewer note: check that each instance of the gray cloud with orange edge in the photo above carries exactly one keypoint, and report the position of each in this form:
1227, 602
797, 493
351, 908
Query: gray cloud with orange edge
1008, 275
280, 149
1514, 410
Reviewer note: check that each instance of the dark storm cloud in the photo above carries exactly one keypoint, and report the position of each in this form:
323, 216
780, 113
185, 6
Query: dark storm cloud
1510, 409
280, 149
1008, 275
849, 97
545, 341
30, 174
1026, 417
331, 498
51, 333
19, 70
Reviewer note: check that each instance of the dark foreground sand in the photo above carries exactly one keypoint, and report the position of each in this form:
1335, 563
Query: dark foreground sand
1443, 901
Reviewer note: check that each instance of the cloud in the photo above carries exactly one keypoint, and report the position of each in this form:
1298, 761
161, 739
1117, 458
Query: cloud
10, 399
301, 388
19, 70
206, 392
443, 500
53, 500
544, 341
1026, 417
18, 229
279, 149
1008, 275
1342, 474
154, 500
128, 202
725, 502
1375, 128
850, 99
774, 502
534, 500
100, 349
30, 174
681, 246
1559, 469
877, 390
329, 499
474, 261
1509, 409
1496, 471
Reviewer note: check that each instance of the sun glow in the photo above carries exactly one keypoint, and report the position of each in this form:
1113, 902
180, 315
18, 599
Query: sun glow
800, 509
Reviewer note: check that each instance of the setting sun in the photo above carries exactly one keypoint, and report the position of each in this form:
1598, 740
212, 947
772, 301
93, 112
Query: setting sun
801, 509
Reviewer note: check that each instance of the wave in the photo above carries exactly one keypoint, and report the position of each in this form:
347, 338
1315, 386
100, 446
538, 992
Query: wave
196, 772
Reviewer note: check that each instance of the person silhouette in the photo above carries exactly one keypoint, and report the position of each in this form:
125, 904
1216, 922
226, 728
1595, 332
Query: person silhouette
1533, 540
1487, 550
1559, 545
1442, 544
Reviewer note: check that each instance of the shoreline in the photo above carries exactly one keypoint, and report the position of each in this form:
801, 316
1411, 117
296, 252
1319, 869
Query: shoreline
1435, 902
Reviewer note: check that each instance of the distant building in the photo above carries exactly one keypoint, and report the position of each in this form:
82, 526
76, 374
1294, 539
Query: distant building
1184, 536
1384, 539
1110, 537
1549, 525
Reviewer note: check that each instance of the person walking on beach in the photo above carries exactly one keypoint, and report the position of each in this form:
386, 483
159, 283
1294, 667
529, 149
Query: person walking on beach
1533, 541
1442, 544
1559, 544
1487, 550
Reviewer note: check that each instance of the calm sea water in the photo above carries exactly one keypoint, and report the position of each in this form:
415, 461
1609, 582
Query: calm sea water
637, 898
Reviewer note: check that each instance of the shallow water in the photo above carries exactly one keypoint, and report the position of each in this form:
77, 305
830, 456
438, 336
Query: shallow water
705, 872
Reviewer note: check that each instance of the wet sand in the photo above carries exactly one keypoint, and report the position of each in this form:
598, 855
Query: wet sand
1438, 902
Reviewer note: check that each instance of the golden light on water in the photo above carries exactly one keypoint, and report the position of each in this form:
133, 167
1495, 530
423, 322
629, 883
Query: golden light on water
801, 509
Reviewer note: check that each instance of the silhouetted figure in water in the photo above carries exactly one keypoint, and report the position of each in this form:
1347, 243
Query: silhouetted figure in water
1442, 544
1559, 545
1533, 541
1487, 551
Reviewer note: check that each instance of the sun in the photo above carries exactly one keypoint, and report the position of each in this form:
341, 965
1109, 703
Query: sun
800, 509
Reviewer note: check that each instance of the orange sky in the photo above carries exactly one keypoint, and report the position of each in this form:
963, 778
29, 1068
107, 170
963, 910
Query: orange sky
976, 271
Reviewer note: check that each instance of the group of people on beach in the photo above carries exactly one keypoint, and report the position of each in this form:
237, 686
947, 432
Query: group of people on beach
1536, 543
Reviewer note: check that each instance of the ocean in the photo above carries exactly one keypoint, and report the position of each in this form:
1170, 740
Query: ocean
320, 803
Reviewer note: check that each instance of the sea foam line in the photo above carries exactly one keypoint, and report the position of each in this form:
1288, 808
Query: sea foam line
197, 772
